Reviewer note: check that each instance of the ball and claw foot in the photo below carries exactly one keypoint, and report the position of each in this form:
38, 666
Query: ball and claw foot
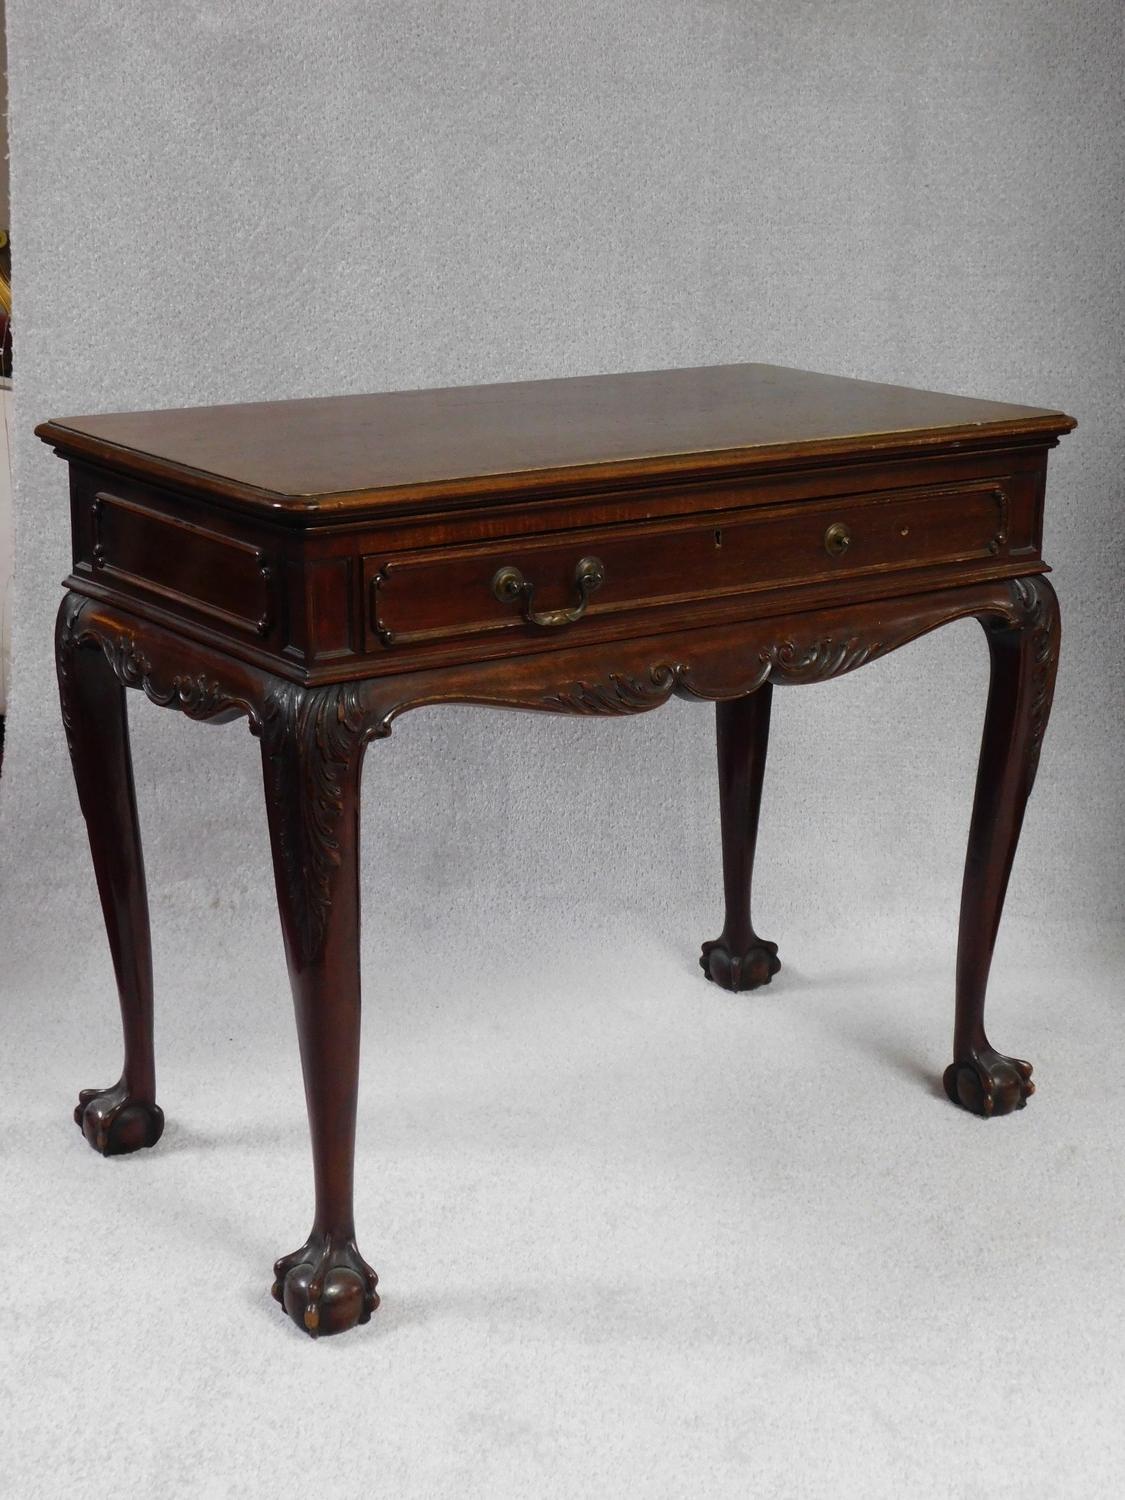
115, 1123
987, 1083
326, 1286
740, 971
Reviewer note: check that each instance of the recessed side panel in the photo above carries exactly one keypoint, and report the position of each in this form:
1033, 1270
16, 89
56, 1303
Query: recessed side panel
173, 554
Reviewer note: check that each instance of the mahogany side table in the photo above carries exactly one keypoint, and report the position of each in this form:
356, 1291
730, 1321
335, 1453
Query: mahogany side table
583, 546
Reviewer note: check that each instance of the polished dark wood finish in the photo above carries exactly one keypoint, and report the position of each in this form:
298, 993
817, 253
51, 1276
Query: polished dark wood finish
582, 547
124, 1116
1025, 654
739, 959
356, 456
312, 752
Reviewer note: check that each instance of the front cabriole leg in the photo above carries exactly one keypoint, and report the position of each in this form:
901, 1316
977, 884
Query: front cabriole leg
1024, 645
125, 1116
312, 751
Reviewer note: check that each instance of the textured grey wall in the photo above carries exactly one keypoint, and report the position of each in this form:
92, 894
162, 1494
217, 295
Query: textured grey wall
237, 199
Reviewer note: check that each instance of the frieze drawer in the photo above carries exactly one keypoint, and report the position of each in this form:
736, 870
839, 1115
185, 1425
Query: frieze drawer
544, 585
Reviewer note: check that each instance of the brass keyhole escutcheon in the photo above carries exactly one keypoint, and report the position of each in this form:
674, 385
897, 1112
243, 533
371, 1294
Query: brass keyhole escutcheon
837, 539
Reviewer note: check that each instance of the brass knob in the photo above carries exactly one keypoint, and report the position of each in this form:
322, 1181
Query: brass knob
837, 539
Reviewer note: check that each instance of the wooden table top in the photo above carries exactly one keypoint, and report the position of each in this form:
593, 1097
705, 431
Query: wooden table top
346, 455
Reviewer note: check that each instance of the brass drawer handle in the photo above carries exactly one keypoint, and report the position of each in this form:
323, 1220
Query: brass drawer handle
837, 539
510, 587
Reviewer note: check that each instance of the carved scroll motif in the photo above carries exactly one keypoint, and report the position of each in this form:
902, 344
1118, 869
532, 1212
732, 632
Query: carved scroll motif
786, 661
790, 663
199, 697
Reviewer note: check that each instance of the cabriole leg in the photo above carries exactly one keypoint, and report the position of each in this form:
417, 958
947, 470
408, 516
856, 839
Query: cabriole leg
124, 1117
1024, 654
312, 749
740, 959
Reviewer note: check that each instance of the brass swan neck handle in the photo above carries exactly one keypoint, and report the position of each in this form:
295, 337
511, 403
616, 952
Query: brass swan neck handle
511, 587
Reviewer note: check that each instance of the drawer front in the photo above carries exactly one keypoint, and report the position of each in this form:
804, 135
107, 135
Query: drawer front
422, 597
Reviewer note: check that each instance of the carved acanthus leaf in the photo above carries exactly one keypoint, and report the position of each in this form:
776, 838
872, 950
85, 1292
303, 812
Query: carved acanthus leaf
1035, 608
66, 639
617, 693
312, 740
